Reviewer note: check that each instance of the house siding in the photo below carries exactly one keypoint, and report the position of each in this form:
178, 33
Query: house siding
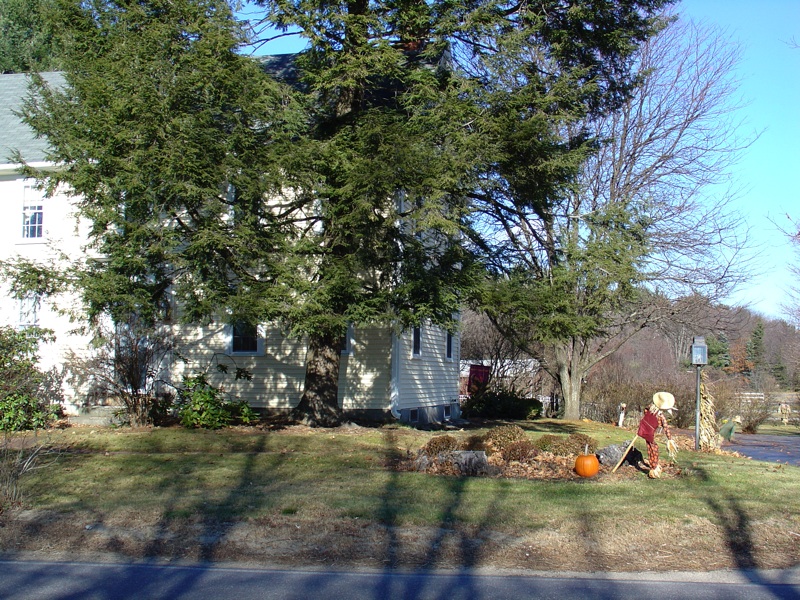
365, 374
279, 369
59, 234
429, 379
278, 373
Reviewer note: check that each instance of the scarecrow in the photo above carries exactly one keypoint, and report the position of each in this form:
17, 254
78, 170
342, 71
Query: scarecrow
729, 428
785, 411
653, 419
621, 410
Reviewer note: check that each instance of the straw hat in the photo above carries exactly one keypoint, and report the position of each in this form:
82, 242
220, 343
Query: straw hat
664, 401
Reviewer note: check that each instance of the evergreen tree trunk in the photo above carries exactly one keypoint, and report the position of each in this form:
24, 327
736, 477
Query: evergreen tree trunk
570, 378
319, 405
571, 390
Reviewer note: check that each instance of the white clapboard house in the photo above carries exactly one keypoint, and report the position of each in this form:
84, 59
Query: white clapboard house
412, 376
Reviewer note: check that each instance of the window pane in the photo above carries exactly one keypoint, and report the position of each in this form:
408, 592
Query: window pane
32, 219
417, 341
29, 310
245, 338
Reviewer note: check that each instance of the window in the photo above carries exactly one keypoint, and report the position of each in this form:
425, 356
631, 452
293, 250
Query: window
449, 346
29, 311
32, 217
347, 340
245, 338
32, 213
417, 345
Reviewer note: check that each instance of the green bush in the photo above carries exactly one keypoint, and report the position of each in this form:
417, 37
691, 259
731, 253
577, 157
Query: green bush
21, 412
498, 438
243, 413
201, 405
501, 404
24, 389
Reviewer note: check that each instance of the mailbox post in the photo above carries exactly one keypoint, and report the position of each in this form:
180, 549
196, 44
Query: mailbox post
699, 358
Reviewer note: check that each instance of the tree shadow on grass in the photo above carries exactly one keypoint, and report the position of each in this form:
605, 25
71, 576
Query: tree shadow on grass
447, 533
538, 426
738, 536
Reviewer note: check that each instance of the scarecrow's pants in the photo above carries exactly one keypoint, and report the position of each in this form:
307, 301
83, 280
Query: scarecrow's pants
652, 454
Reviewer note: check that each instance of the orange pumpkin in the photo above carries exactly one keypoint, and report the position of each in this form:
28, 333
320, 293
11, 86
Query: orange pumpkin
587, 465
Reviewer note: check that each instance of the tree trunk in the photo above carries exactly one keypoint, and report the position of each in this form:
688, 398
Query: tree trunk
570, 378
319, 406
571, 390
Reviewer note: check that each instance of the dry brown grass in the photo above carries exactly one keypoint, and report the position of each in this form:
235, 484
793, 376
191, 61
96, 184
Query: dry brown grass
299, 505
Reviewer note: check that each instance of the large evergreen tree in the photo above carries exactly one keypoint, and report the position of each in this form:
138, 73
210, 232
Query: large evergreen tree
519, 76
169, 140
331, 202
27, 37
345, 197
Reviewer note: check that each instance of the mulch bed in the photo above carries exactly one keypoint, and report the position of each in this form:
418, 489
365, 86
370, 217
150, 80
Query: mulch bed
546, 466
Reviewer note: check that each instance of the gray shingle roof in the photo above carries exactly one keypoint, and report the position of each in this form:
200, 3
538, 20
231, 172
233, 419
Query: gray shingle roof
14, 134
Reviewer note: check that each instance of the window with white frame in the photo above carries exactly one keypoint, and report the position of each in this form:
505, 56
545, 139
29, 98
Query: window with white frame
29, 310
32, 213
244, 338
449, 346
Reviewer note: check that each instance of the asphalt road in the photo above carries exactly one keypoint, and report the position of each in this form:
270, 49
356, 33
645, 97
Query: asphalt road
783, 449
29, 580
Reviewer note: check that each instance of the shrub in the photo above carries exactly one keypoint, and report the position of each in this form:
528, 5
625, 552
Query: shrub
19, 355
19, 412
520, 450
546, 442
19, 455
499, 438
440, 443
501, 404
25, 391
126, 366
573, 444
475, 442
576, 443
243, 413
202, 405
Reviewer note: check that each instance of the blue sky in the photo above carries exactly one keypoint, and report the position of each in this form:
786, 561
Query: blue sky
769, 170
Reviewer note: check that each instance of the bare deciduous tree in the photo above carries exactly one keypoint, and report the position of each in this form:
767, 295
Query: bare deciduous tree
511, 367
648, 221
127, 367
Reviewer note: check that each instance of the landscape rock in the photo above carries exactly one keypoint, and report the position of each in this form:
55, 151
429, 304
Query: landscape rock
610, 455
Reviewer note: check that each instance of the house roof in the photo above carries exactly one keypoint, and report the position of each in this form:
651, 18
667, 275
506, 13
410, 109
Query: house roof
282, 67
14, 134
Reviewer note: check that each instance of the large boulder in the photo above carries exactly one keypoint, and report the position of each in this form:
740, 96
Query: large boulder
610, 455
